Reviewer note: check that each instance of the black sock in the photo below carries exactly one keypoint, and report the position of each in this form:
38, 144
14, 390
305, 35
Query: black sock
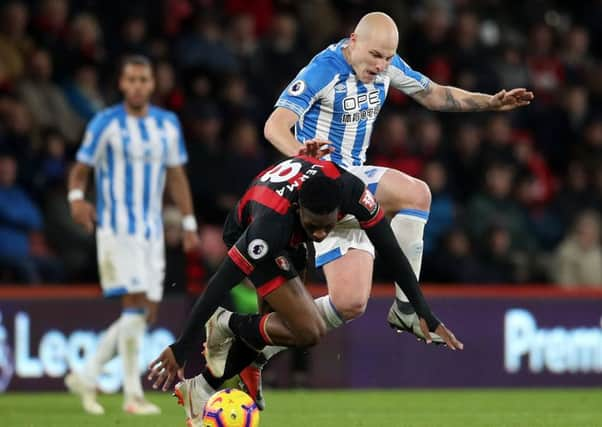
239, 357
211, 380
248, 328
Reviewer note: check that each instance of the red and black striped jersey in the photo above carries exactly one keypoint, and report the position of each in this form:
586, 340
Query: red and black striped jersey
276, 190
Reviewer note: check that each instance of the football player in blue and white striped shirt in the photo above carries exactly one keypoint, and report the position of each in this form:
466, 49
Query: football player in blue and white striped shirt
135, 149
336, 98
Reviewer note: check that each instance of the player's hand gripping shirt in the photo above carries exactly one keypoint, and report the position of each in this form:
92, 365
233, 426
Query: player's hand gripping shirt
332, 104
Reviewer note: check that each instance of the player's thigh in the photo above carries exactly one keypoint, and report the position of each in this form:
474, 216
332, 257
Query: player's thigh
349, 280
397, 191
296, 307
278, 284
154, 270
121, 264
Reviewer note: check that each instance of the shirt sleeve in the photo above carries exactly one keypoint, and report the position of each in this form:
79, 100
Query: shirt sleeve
404, 78
305, 89
360, 202
176, 150
264, 237
94, 142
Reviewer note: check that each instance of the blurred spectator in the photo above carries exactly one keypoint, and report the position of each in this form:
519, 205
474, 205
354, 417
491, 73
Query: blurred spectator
205, 48
85, 42
133, 39
391, 146
558, 129
241, 39
494, 206
52, 163
206, 153
427, 46
442, 213
453, 262
15, 43
471, 65
533, 163
167, 92
244, 156
46, 101
18, 138
510, 67
579, 257
281, 54
574, 195
496, 257
50, 28
83, 92
498, 140
590, 151
545, 68
429, 137
19, 216
237, 102
466, 161
543, 222
576, 58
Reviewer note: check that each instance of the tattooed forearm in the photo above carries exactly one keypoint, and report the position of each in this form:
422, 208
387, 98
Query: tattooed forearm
451, 103
474, 105
449, 98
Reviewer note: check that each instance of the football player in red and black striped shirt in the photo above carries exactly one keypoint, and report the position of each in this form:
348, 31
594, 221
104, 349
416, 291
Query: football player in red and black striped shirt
296, 200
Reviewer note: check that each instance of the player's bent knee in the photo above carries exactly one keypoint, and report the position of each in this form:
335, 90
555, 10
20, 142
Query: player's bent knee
423, 195
419, 197
311, 334
352, 310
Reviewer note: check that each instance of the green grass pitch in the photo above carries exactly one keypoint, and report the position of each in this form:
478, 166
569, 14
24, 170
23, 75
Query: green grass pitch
308, 408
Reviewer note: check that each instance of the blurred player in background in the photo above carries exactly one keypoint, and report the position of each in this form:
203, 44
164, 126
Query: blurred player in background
135, 149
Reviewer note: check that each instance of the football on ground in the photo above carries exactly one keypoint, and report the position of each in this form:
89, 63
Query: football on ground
230, 408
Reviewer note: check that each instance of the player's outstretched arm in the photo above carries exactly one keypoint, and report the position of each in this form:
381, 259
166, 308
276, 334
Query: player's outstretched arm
449, 98
165, 367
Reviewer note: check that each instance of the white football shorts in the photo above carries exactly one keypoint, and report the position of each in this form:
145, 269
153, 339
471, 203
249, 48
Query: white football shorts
347, 234
130, 264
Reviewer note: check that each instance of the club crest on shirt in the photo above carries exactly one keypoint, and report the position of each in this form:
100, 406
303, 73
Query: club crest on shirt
257, 248
367, 200
297, 88
283, 263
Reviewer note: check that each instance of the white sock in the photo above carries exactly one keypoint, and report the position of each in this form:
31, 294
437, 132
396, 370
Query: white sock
331, 317
105, 351
408, 228
131, 331
329, 313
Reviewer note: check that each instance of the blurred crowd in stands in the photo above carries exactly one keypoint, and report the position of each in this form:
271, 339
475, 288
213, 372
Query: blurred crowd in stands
516, 198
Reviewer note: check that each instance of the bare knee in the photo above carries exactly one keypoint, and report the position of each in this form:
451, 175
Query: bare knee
311, 334
418, 197
402, 191
422, 197
351, 309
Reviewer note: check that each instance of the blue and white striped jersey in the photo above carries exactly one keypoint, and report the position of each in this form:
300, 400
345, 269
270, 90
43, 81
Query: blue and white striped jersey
130, 156
332, 104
